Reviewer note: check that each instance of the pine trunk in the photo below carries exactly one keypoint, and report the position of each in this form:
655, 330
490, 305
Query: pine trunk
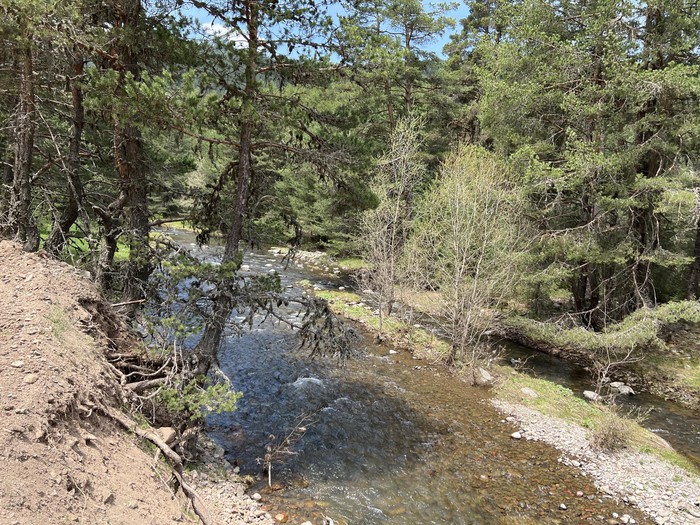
695, 268
62, 225
21, 218
130, 166
208, 346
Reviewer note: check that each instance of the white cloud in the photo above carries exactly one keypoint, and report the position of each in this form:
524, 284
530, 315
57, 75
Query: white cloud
225, 32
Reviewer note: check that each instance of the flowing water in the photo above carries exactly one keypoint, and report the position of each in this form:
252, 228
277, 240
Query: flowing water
389, 439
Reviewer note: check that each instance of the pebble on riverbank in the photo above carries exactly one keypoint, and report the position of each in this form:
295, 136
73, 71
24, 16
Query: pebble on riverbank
668, 494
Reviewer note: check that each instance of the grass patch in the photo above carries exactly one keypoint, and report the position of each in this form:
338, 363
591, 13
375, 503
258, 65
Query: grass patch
59, 323
557, 401
553, 399
674, 458
424, 301
77, 245
418, 340
180, 225
688, 374
351, 264
677, 370
338, 298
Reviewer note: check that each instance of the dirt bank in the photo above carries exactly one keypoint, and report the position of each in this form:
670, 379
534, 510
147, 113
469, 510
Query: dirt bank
62, 459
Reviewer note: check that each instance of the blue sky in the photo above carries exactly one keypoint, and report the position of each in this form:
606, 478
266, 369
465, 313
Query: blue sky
435, 46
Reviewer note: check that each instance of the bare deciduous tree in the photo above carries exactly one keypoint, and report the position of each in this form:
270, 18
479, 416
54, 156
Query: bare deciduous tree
467, 246
385, 229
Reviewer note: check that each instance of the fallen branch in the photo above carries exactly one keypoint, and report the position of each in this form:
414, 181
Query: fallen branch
169, 453
145, 385
160, 222
126, 303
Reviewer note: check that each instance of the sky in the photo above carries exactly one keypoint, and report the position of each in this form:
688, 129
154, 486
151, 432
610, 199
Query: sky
435, 46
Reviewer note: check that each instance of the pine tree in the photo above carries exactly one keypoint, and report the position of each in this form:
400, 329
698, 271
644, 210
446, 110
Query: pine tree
597, 109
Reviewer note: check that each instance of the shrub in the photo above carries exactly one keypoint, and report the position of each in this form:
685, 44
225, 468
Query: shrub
611, 433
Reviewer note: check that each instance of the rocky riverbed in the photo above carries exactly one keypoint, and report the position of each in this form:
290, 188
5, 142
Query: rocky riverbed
666, 493
224, 491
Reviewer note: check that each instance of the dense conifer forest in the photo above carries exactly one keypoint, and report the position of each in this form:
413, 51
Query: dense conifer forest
299, 122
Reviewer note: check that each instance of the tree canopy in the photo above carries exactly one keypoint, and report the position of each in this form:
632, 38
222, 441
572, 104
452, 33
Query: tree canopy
272, 122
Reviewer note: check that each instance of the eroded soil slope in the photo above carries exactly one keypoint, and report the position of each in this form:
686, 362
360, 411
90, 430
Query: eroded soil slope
61, 461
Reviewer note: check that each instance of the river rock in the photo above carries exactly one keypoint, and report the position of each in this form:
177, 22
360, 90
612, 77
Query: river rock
485, 376
219, 451
30, 378
591, 396
625, 390
529, 392
516, 435
167, 434
305, 382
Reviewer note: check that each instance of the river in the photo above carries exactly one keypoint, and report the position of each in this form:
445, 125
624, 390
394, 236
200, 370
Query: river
390, 439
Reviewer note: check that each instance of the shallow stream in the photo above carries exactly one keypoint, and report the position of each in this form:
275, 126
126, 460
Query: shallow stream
390, 439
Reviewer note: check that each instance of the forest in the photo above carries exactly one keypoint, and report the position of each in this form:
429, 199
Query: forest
551, 142
496, 170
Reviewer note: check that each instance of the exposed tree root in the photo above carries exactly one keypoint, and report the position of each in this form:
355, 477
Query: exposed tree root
173, 456
142, 386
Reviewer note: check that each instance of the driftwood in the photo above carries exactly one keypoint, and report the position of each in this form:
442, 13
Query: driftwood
169, 453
